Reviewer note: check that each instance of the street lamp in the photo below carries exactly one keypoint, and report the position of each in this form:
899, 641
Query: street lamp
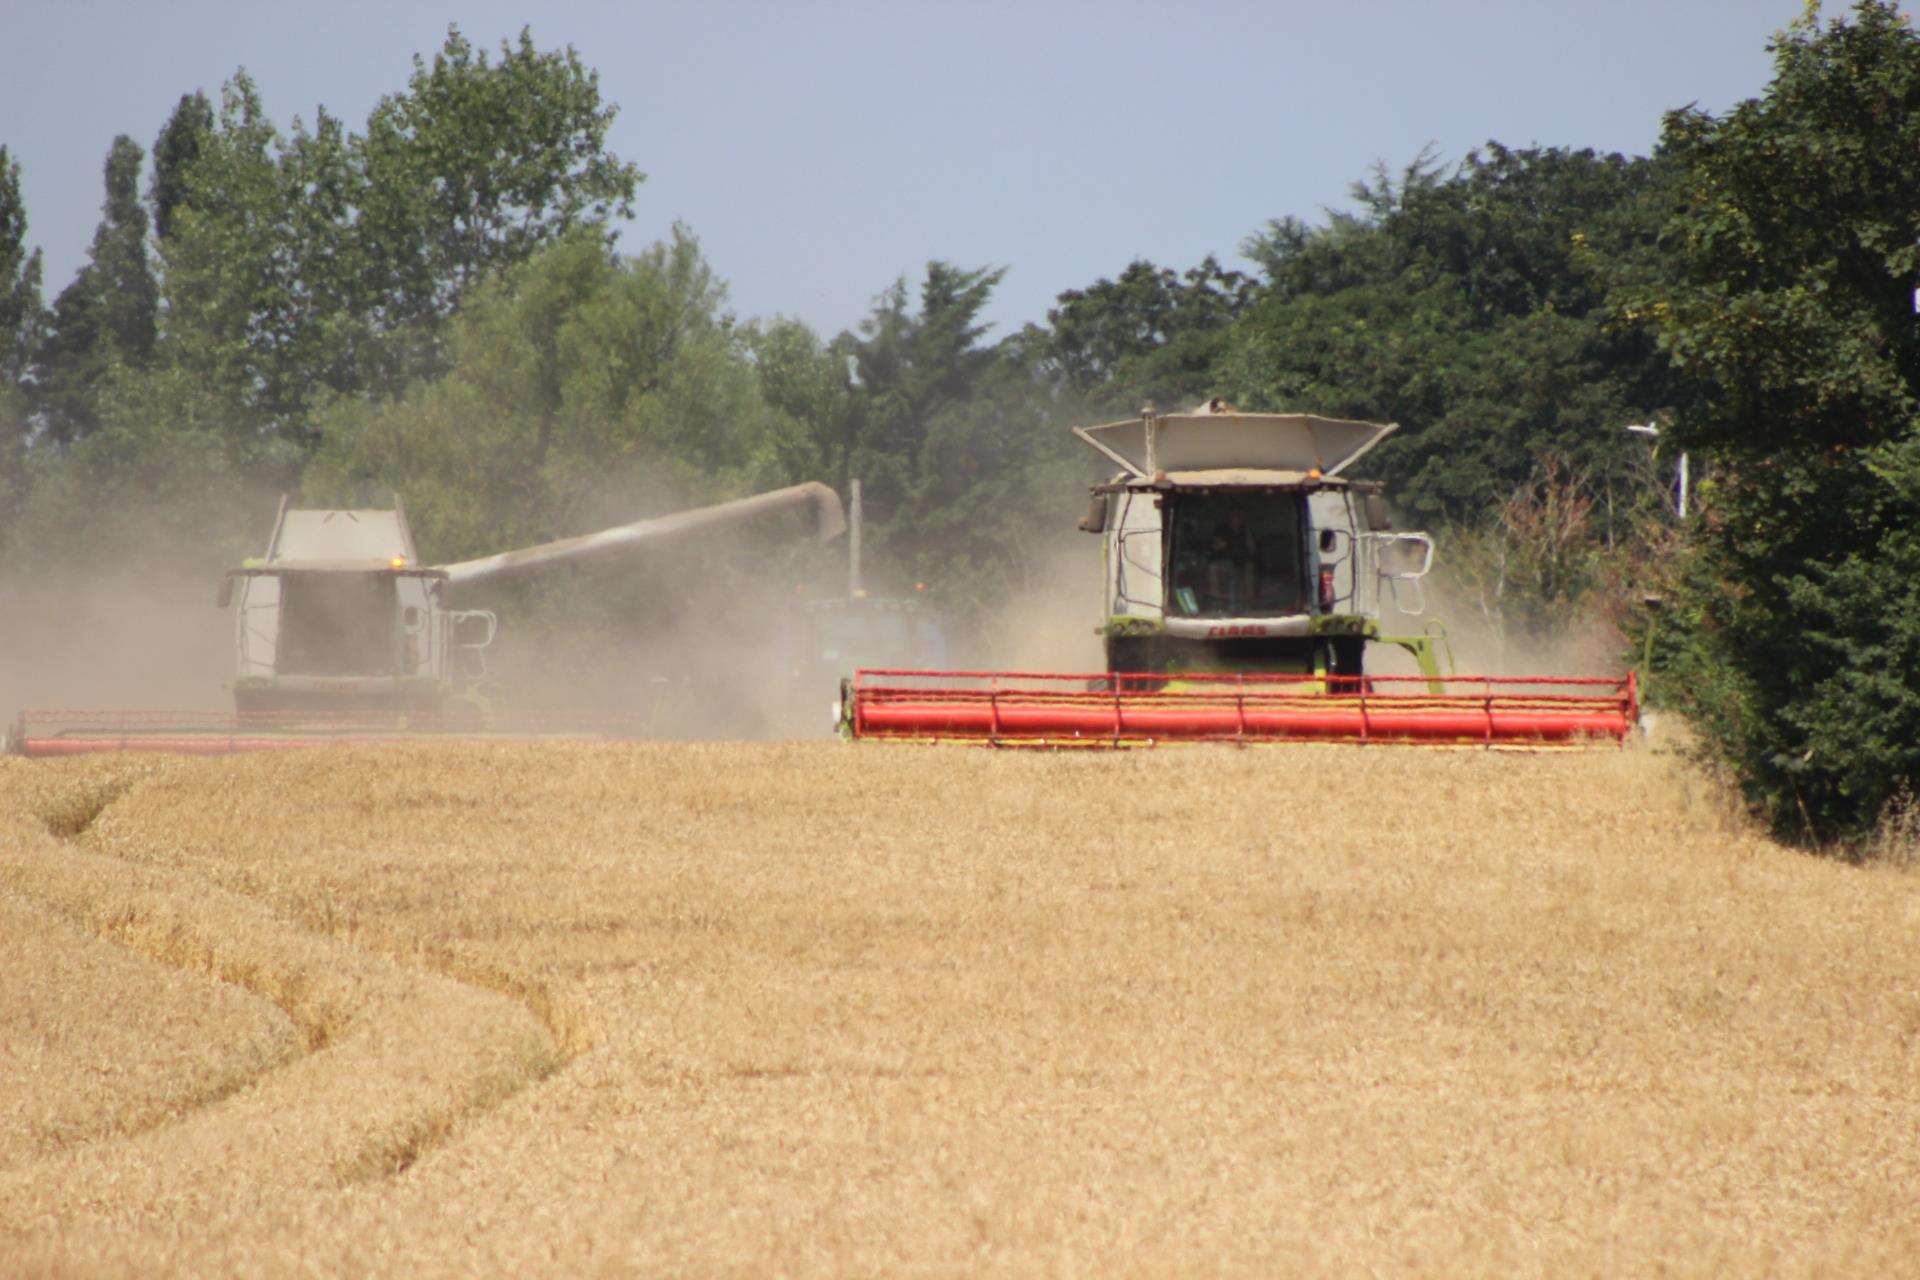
1653, 429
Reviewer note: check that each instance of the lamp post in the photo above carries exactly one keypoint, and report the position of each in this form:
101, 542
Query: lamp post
1652, 429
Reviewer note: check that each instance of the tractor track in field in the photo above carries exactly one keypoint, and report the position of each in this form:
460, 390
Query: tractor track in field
144, 1110
436, 1042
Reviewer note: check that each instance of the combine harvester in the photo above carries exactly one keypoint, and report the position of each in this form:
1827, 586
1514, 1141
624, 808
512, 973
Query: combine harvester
1244, 574
341, 634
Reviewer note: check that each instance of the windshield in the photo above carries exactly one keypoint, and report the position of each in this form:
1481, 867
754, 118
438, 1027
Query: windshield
1235, 554
338, 624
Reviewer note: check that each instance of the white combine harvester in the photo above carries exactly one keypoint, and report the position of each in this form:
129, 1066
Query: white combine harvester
341, 633
1235, 542
1244, 573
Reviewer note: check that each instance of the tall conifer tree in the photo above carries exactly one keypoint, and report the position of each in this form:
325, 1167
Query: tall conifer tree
108, 313
180, 143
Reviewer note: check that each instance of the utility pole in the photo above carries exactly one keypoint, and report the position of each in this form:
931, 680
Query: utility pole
853, 540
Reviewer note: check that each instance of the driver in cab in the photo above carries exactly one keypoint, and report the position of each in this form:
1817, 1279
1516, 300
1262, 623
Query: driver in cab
1230, 559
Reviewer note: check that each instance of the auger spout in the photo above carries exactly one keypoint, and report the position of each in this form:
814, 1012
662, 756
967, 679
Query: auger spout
657, 531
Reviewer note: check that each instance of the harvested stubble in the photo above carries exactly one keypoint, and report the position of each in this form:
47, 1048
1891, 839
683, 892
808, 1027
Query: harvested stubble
825, 1009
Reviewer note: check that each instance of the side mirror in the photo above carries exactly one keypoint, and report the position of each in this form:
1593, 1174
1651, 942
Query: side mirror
1095, 521
1377, 517
473, 629
225, 597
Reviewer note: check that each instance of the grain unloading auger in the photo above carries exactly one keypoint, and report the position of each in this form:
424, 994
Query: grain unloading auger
342, 634
1243, 578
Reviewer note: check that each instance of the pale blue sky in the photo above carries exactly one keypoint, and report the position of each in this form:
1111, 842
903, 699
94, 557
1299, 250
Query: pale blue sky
820, 150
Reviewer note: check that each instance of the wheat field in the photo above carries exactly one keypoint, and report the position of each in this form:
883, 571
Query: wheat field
817, 1009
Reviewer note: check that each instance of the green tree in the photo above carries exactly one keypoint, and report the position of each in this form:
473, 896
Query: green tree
997, 484
862, 405
909, 365
158, 481
1789, 298
1470, 306
139, 454
20, 306
21, 319
480, 163
1150, 334
247, 295
816, 421
108, 314
960, 444
174, 152
582, 388
320, 263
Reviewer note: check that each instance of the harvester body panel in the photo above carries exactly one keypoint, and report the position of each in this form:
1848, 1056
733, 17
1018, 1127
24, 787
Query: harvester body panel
312, 534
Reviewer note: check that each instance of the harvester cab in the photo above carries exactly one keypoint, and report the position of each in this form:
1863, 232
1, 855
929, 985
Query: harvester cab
1234, 542
340, 615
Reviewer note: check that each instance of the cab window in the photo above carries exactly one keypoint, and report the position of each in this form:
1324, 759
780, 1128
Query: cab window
1235, 554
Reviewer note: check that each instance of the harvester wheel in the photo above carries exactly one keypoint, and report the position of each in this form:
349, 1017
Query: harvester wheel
1133, 655
1346, 663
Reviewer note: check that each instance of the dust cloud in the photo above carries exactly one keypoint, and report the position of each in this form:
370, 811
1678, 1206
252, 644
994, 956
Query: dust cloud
704, 639
132, 627
1050, 620
1483, 642
726, 642
727, 638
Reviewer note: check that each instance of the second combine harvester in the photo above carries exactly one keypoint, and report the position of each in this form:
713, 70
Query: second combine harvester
1243, 578
342, 634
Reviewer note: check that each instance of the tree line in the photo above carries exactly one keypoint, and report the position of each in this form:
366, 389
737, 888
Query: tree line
435, 305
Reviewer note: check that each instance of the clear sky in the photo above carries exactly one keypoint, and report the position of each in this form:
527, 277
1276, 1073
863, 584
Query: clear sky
821, 150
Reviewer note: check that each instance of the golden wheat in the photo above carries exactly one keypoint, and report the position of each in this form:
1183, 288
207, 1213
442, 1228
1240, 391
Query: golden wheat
96, 1042
816, 1009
